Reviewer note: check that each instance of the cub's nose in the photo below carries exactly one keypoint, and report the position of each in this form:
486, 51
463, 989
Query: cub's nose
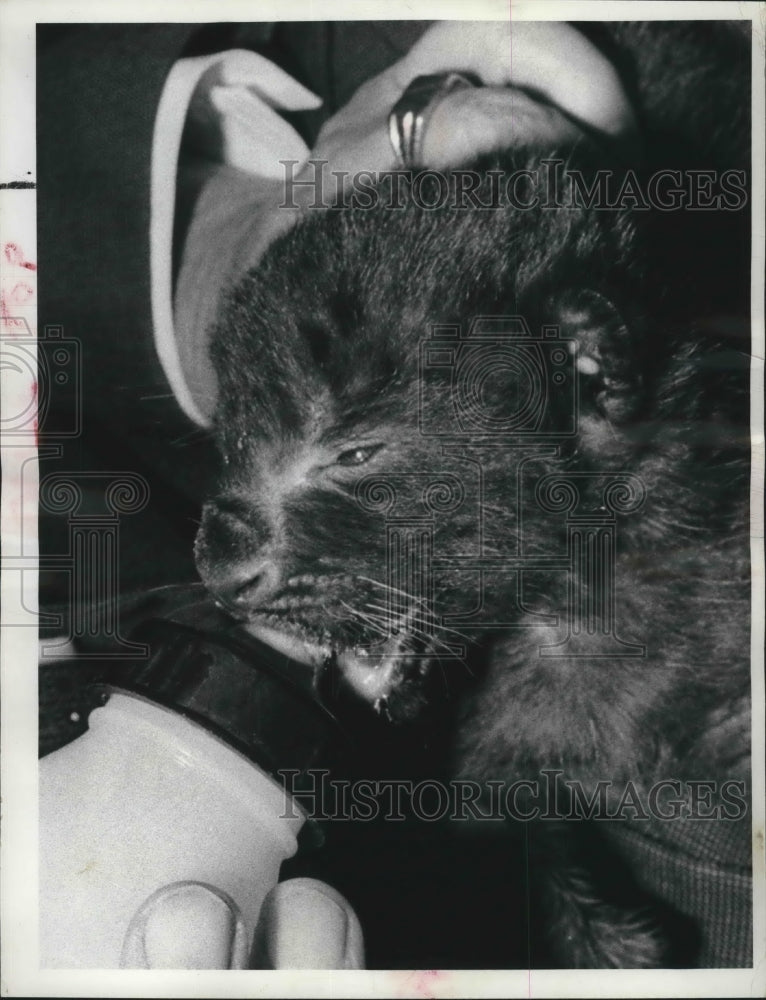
234, 558
246, 586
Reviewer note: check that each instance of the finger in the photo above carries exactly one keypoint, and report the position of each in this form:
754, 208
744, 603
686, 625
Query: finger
464, 125
553, 61
550, 58
186, 925
306, 924
472, 122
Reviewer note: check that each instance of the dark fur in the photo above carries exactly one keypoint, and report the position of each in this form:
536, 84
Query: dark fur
318, 351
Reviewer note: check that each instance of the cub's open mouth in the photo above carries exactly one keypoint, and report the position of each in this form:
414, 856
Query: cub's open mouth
393, 677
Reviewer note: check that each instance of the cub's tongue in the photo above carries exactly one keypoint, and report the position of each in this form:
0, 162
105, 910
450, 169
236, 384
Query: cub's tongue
372, 677
395, 677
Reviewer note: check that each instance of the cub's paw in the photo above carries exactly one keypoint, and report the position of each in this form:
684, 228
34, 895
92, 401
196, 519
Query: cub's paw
607, 358
586, 933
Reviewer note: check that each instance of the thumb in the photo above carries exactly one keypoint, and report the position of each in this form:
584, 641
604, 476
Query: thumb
474, 121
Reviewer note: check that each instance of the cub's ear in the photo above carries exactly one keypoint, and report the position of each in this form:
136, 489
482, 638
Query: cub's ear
608, 355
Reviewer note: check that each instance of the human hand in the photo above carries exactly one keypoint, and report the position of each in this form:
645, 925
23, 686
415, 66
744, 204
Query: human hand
543, 83
541, 79
304, 924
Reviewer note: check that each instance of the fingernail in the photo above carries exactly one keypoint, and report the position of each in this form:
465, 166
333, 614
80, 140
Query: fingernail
185, 926
305, 928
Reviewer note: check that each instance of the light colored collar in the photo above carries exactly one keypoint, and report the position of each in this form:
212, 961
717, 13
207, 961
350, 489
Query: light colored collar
225, 108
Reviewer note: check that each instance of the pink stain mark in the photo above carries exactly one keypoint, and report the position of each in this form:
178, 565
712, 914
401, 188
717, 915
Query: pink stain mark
33, 389
12, 253
15, 255
422, 984
10, 323
426, 982
34, 427
22, 293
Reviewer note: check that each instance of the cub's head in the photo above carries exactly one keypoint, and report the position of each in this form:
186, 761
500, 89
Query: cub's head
371, 373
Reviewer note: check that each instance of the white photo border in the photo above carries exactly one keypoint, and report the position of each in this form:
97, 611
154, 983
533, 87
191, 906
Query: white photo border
20, 973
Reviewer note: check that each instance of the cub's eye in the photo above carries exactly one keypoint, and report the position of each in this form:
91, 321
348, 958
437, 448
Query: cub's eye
357, 456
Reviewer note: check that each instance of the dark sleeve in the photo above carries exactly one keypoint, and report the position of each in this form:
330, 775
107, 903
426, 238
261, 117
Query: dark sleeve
98, 87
